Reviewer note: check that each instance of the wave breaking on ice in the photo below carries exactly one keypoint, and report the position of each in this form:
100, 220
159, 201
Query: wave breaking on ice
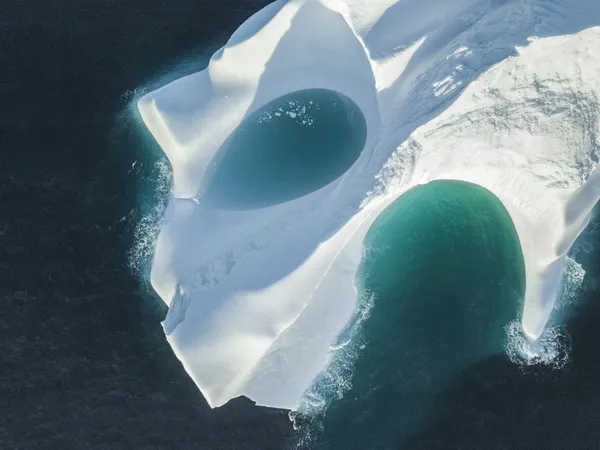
553, 347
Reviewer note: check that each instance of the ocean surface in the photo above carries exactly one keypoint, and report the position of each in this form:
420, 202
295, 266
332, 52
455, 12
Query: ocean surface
432, 360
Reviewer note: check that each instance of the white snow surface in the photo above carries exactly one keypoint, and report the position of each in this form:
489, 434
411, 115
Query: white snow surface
500, 93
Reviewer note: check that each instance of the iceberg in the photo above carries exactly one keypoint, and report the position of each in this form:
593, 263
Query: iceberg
500, 93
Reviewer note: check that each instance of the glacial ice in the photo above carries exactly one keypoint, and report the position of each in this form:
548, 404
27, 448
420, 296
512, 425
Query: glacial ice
500, 93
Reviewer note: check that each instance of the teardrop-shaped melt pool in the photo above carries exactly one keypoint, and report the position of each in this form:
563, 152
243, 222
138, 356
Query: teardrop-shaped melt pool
292, 146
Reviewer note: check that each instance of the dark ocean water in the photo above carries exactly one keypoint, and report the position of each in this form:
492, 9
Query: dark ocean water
83, 359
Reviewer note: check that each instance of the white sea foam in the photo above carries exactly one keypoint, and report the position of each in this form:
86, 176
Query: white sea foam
147, 229
573, 277
551, 349
336, 380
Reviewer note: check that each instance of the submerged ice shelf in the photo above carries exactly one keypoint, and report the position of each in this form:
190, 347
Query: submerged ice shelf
502, 94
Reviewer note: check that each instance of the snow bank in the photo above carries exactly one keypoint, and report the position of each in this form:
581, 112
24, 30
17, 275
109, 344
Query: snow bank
449, 90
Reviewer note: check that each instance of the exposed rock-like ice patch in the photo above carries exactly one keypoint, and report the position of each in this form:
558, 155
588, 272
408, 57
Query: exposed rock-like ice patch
503, 94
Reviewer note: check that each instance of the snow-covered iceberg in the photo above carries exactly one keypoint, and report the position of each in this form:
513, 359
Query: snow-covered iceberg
500, 93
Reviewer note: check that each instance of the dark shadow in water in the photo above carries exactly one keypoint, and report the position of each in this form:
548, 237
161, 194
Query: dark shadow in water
290, 147
495, 404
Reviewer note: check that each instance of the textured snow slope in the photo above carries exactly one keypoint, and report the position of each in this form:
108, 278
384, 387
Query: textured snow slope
501, 93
